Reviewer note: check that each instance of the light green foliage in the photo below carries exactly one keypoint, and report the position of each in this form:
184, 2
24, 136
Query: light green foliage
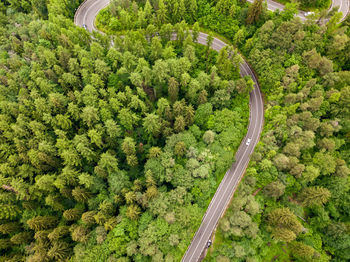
87, 132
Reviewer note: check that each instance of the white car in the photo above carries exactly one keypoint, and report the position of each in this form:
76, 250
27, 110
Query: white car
248, 141
309, 13
209, 243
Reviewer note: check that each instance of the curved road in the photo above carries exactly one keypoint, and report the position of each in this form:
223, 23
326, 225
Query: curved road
86, 15
343, 7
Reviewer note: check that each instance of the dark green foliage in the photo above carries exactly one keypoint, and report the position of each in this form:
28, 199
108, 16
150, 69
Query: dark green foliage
21, 238
299, 164
116, 151
88, 145
254, 12
42, 222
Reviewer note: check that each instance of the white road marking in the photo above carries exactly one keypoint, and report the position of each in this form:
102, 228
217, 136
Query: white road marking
232, 177
88, 10
217, 45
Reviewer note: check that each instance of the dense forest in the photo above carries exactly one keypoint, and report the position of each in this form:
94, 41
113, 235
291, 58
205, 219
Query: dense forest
113, 152
294, 202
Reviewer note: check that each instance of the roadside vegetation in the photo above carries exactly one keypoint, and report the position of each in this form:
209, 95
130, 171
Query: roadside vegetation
112, 153
309, 5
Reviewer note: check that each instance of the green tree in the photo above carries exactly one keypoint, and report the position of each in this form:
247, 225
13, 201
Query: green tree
173, 89
195, 31
284, 218
81, 194
133, 212
254, 12
22, 238
274, 189
129, 146
72, 214
314, 196
179, 124
80, 234
152, 124
59, 251
161, 13
302, 252
42, 222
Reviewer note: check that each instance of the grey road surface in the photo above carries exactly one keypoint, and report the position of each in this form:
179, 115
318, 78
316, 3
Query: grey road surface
87, 12
232, 177
343, 7
86, 15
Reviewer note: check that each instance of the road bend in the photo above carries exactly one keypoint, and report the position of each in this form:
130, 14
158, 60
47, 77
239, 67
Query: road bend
86, 14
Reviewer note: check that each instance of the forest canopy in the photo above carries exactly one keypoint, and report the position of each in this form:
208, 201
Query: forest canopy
112, 152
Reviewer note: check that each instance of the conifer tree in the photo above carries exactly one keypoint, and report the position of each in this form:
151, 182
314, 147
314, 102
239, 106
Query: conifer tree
81, 194
133, 211
21, 238
80, 234
254, 12
42, 222
88, 217
72, 214
9, 228
315, 196
161, 13
59, 251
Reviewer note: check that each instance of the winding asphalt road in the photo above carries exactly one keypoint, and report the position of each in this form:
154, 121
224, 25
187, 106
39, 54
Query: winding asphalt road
343, 7
86, 14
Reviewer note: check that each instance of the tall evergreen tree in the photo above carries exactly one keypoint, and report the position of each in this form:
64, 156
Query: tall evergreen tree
254, 12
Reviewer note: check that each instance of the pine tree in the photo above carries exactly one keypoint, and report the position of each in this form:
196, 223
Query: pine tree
161, 13
72, 214
154, 152
192, 10
315, 196
80, 234
202, 97
151, 192
182, 10
179, 124
42, 222
107, 207
254, 12
152, 124
180, 149
9, 212
283, 234
81, 194
148, 11
173, 89
59, 251
88, 218
132, 160
302, 251
130, 197
22, 238
58, 233
4, 244
284, 218
111, 223
133, 212
9, 228
129, 146
179, 108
